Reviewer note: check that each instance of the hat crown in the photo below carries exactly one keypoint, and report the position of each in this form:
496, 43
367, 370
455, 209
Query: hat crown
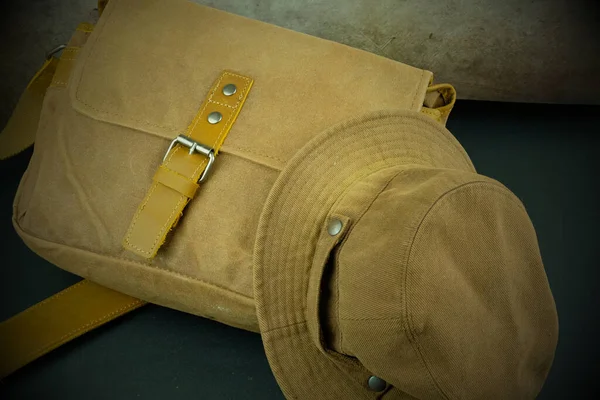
439, 287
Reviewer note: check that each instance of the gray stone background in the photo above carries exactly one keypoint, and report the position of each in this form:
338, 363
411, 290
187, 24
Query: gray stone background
510, 50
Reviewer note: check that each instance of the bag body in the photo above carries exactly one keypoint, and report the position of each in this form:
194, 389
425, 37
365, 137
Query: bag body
131, 90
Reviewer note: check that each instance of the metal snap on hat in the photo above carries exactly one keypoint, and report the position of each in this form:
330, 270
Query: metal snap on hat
386, 266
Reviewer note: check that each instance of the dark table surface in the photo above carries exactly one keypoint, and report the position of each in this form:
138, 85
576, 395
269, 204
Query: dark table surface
547, 154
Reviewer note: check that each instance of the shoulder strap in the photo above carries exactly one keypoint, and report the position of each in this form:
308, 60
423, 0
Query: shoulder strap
83, 306
19, 132
57, 320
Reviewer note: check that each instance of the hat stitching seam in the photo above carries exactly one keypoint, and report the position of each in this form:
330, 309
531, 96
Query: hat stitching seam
372, 319
385, 121
352, 226
347, 234
272, 217
281, 377
370, 205
413, 337
450, 139
285, 326
442, 140
415, 156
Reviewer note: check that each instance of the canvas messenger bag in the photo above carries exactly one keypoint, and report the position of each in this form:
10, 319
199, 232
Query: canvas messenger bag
282, 184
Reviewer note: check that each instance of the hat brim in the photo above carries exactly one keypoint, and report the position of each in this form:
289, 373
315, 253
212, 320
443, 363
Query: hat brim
294, 215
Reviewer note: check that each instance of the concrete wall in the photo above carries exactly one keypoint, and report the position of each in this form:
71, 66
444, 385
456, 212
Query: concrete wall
511, 50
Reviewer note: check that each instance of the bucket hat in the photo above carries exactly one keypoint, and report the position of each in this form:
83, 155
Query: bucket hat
386, 267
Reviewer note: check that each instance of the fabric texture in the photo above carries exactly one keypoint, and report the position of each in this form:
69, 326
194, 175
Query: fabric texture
435, 283
103, 133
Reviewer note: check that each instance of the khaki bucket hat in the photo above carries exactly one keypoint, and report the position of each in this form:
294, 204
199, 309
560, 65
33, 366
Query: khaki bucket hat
386, 267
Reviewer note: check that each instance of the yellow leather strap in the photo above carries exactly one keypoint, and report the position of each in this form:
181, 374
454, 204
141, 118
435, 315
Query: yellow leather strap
70, 53
19, 132
63, 71
176, 181
58, 319
439, 101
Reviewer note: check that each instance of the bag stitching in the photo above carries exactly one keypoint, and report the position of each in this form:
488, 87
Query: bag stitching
49, 299
36, 353
137, 263
162, 231
256, 153
409, 318
169, 128
194, 185
221, 104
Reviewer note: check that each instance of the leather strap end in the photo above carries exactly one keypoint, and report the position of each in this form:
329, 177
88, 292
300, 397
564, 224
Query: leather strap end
439, 101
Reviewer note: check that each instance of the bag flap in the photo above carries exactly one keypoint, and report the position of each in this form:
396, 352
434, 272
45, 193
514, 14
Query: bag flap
149, 64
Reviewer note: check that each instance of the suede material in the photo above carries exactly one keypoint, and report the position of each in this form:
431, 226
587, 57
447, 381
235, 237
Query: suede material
134, 88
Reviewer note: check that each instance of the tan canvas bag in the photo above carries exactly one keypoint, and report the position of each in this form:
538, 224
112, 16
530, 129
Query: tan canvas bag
161, 136
124, 89
103, 134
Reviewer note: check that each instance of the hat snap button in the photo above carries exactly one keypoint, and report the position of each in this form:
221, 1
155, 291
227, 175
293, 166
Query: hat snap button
334, 227
376, 384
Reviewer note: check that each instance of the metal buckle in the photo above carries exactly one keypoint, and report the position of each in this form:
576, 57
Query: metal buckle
194, 147
55, 50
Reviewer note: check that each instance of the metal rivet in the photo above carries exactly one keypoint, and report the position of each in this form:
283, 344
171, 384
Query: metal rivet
229, 89
335, 227
377, 384
214, 117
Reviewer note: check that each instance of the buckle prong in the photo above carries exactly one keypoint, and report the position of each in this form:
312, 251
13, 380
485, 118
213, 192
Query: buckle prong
194, 147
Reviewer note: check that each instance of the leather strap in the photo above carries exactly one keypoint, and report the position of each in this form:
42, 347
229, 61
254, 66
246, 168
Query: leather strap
57, 320
177, 178
70, 53
19, 132
439, 101
83, 306
63, 71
